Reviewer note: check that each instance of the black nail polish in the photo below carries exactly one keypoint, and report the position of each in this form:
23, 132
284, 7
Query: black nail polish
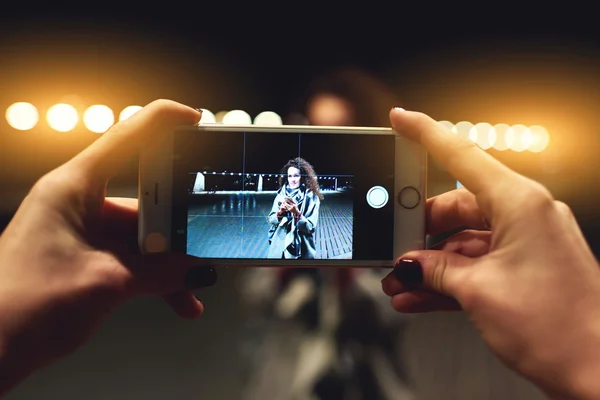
200, 277
409, 272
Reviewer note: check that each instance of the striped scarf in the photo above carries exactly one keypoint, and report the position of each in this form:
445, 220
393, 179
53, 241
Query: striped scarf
292, 243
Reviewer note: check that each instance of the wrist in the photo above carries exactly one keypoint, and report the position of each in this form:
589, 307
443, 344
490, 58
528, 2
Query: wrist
578, 375
582, 383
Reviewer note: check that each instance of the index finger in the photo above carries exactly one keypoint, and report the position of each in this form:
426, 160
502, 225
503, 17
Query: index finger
107, 155
484, 176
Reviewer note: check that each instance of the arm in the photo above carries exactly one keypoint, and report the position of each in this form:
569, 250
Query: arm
578, 374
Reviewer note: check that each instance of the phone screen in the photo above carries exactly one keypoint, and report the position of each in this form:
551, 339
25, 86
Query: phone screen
273, 195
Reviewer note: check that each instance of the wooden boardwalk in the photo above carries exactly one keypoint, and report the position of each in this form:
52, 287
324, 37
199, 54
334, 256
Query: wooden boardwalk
235, 226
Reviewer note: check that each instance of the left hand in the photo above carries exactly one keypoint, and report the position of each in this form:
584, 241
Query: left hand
69, 256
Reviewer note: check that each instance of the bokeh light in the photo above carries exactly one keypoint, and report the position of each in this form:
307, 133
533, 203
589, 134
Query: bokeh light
463, 128
448, 125
22, 116
501, 137
62, 117
268, 118
207, 117
98, 118
520, 133
539, 138
128, 112
237, 117
483, 134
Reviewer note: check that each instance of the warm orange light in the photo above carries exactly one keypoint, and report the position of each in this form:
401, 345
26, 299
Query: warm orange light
62, 117
539, 138
22, 116
128, 112
98, 118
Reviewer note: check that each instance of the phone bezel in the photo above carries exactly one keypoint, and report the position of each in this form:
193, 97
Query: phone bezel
155, 195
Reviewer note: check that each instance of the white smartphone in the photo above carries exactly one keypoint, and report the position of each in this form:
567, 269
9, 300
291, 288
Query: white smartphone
283, 195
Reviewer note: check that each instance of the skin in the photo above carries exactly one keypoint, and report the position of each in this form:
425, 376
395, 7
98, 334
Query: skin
530, 284
288, 205
66, 258
293, 177
524, 273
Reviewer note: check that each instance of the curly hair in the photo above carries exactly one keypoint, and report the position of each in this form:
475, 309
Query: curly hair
307, 175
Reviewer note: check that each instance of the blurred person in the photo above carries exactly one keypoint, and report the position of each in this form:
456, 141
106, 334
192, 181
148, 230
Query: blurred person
341, 316
295, 212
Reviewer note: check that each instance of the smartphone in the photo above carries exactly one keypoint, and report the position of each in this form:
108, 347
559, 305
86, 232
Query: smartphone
283, 195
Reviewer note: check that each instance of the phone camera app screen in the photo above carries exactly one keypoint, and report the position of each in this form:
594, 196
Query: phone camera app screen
262, 195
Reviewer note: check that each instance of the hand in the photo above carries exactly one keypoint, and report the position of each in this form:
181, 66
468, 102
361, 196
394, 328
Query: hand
530, 285
291, 206
282, 209
68, 258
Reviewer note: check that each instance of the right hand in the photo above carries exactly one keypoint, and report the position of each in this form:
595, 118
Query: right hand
282, 209
531, 285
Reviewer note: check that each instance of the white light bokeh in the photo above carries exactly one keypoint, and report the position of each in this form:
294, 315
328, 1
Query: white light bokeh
539, 138
473, 134
484, 135
463, 128
501, 137
98, 118
518, 144
207, 117
237, 117
448, 125
22, 116
128, 112
62, 117
268, 118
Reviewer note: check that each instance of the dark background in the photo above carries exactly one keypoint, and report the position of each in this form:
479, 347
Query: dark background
498, 63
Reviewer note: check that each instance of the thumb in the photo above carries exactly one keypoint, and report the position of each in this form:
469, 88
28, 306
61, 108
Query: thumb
163, 273
107, 155
437, 271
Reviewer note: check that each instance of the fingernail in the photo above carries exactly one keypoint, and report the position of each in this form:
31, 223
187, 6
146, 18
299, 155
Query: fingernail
200, 111
409, 272
200, 277
399, 109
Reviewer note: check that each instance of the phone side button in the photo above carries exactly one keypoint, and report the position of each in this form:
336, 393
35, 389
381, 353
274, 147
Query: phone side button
409, 197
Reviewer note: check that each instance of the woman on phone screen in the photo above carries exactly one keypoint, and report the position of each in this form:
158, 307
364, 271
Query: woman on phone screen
295, 212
